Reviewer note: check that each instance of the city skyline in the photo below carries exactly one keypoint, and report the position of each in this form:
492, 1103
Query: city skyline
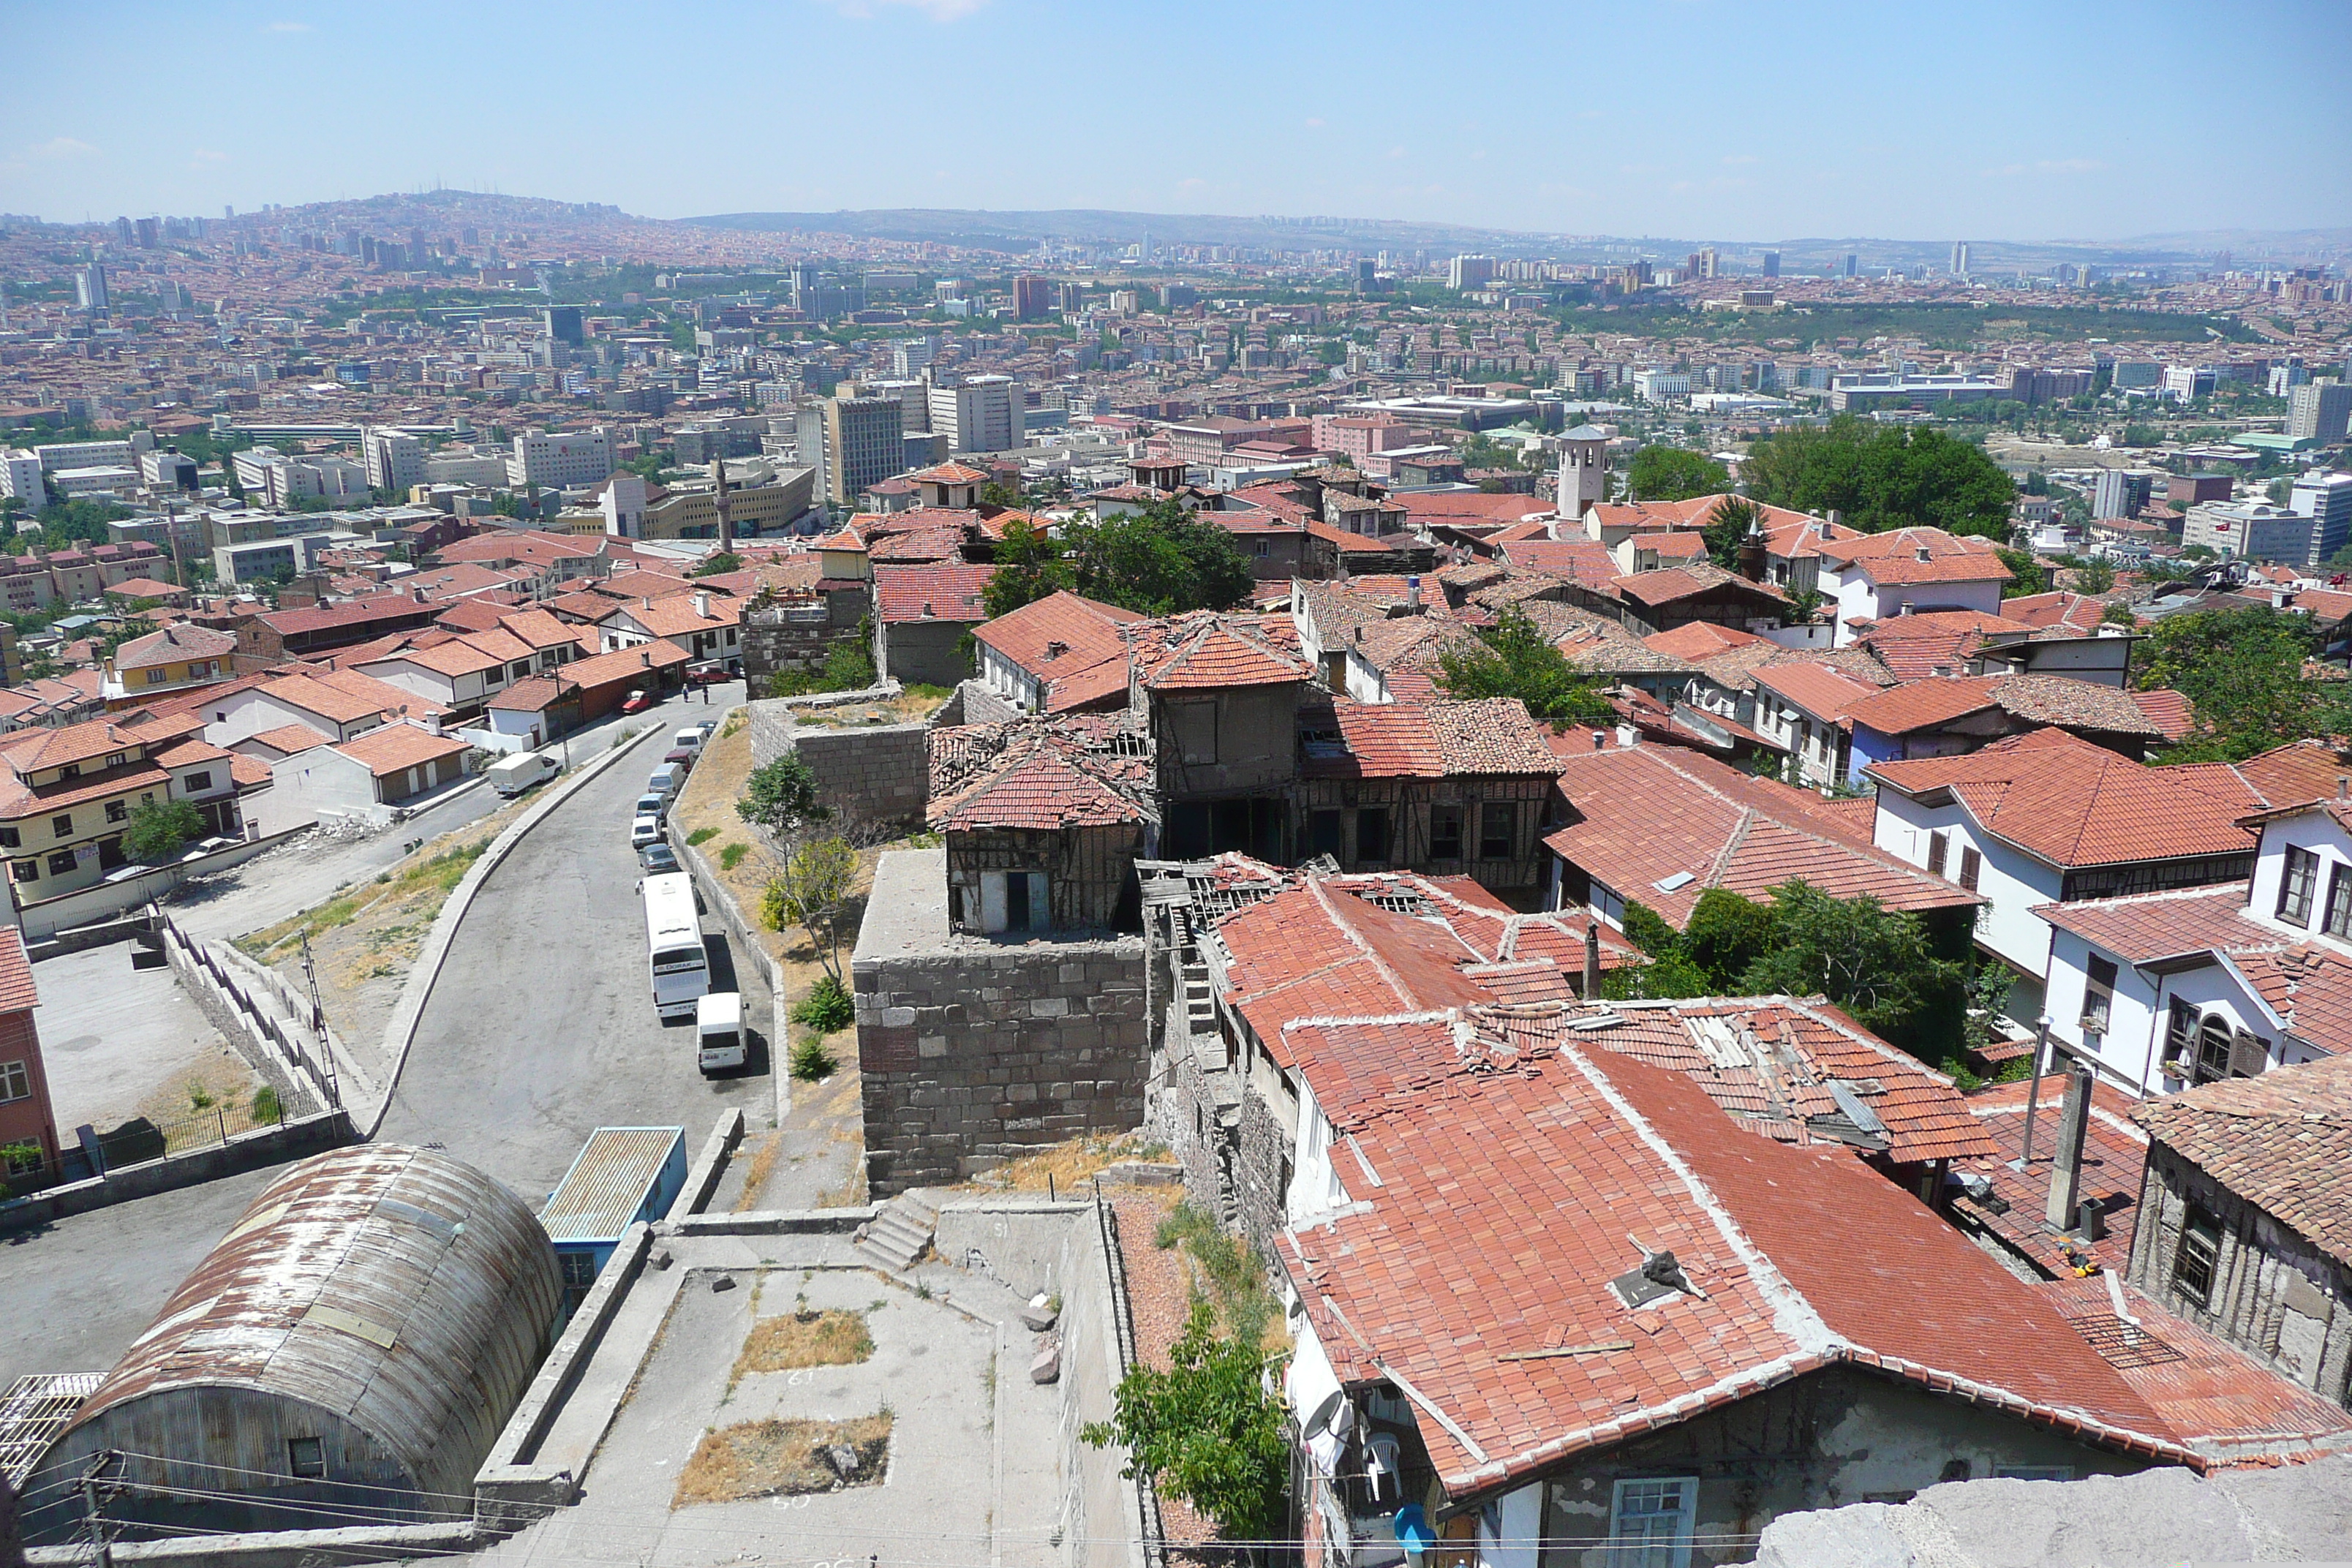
1838, 120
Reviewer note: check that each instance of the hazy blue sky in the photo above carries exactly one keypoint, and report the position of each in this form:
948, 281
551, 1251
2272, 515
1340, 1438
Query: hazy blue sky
1687, 118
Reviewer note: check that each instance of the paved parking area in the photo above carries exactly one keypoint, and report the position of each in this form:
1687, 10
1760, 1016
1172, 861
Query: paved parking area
112, 1035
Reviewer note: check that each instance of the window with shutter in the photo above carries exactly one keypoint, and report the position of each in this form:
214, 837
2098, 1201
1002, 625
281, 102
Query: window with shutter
2295, 886
1940, 844
2339, 902
2197, 1262
2098, 995
2180, 1039
2249, 1055
1971, 863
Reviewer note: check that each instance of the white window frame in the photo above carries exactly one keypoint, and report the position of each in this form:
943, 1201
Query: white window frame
16, 1082
1649, 1551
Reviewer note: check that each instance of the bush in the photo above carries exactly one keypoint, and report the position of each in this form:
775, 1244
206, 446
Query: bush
731, 856
701, 836
826, 1007
775, 902
267, 1106
812, 1061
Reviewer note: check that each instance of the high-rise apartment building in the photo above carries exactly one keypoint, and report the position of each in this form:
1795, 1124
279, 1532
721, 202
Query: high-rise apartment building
2120, 492
394, 459
1465, 272
1959, 258
89, 290
853, 443
2319, 410
563, 461
1851, 264
979, 414
1033, 298
2327, 498
564, 325
1771, 264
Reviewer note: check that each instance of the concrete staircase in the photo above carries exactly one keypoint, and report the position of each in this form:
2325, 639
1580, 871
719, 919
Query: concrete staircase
900, 1233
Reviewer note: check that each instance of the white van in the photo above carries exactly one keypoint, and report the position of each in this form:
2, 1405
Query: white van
719, 1031
512, 776
665, 781
687, 739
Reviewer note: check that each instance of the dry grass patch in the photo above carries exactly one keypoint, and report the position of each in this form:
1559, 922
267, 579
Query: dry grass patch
1065, 1168
804, 1338
782, 1458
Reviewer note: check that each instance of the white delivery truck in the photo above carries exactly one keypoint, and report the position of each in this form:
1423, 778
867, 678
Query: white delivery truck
679, 968
512, 776
719, 1031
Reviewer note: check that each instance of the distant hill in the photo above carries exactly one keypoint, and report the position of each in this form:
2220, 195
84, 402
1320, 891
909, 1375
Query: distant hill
1018, 231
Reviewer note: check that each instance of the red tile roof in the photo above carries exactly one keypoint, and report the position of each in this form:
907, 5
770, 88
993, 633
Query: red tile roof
1489, 736
1700, 639
1496, 1191
1649, 814
389, 749
1896, 557
2114, 1155
2281, 1141
930, 592
1208, 651
1817, 689
2069, 803
1072, 645
17, 992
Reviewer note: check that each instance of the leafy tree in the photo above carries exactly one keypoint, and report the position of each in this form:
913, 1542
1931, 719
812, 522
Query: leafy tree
1669, 977
2096, 575
1876, 963
1030, 565
782, 797
1205, 1430
849, 665
1675, 473
1726, 933
1647, 929
996, 494
1726, 526
2028, 576
1161, 560
159, 827
2118, 616
2242, 671
1882, 477
1515, 660
811, 892
719, 563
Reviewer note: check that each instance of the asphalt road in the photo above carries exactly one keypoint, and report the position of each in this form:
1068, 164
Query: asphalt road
541, 1028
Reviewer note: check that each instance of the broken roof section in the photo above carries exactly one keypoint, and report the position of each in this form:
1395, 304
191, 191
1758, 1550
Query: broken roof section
1072, 770
1207, 651
1490, 736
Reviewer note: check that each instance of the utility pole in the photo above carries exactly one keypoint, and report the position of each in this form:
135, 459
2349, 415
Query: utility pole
90, 1515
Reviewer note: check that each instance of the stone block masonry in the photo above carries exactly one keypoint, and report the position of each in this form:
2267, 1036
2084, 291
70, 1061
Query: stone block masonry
977, 1052
870, 774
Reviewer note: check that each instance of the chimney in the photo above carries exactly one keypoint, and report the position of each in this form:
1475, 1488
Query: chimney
1600, 740
644, 658
1413, 592
1752, 554
1057, 649
701, 605
1592, 955
1627, 735
2066, 1169
1837, 520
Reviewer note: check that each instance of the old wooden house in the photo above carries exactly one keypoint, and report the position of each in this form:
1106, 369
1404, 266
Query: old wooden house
1043, 819
1449, 788
1218, 695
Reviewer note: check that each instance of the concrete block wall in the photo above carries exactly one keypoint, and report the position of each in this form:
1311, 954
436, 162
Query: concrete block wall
973, 1056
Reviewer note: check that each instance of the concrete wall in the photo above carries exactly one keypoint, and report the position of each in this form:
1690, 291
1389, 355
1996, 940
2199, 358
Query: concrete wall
928, 652
107, 900
289, 1140
976, 1052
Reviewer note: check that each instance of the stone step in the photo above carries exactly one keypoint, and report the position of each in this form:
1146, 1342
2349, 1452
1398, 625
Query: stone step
900, 1233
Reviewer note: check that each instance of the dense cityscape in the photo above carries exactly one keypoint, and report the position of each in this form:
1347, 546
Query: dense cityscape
1083, 888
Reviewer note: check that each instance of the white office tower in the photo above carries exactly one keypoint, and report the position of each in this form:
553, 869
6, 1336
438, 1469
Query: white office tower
980, 415
564, 461
1583, 471
394, 459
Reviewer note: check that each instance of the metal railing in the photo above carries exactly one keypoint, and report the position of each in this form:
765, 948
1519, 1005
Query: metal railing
138, 1142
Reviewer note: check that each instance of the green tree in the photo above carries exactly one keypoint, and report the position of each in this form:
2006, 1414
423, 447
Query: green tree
1726, 933
159, 827
2096, 575
1515, 660
2028, 576
2241, 670
1205, 1430
1876, 963
782, 797
1675, 473
1882, 477
1161, 560
719, 563
812, 892
1031, 564
1726, 526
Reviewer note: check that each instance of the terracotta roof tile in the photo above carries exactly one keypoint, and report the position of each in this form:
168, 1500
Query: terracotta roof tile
930, 592
1205, 650
2281, 1141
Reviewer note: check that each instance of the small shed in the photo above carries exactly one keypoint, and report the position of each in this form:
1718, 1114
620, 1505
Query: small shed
346, 1354
620, 1175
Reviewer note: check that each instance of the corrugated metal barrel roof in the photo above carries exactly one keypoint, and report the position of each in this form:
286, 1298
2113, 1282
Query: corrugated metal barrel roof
401, 1288
599, 1196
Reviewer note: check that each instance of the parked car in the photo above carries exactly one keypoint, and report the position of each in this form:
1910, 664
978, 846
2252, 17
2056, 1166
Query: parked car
211, 846
645, 830
707, 675
679, 757
653, 805
512, 776
636, 702
125, 873
665, 780
657, 857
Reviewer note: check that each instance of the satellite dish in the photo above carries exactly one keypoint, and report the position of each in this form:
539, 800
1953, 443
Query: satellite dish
1326, 1416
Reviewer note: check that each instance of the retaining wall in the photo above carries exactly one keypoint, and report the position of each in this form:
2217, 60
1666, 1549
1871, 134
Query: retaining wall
976, 1053
104, 900
870, 775
289, 1140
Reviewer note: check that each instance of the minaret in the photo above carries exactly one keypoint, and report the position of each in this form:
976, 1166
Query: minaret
719, 495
